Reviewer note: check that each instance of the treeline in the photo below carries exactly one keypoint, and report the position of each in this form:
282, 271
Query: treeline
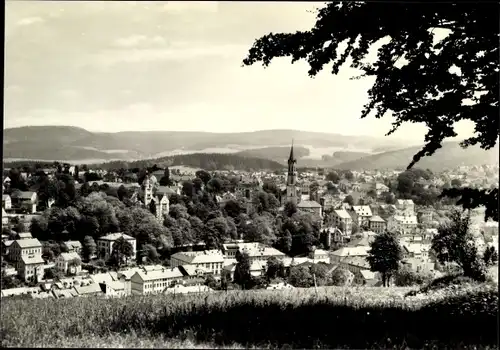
208, 161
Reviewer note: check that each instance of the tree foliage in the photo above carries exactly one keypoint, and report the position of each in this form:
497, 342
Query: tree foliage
418, 79
385, 255
454, 243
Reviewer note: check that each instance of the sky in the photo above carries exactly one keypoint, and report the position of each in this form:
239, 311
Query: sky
114, 66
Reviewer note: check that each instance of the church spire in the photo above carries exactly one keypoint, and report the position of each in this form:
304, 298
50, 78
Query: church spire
291, 158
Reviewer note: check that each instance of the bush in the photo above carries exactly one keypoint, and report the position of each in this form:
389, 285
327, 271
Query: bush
406, 277
266, 318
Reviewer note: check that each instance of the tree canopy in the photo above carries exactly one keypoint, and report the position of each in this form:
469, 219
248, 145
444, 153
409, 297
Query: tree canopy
418, 79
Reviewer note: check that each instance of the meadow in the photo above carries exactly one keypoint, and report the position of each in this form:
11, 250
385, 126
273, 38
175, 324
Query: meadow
330, 317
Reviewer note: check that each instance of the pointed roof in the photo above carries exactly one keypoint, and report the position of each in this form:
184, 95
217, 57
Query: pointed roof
291, 158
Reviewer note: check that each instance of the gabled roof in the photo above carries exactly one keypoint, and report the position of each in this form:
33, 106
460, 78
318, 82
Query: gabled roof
342, 213
29, 243
308, 204
362, 210
92, 288
376, 218
193, 257
69, 256
25, 195
33, 259
115, 236
5, 197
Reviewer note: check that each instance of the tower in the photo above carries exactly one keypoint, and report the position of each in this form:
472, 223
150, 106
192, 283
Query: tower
291, 182
148, 191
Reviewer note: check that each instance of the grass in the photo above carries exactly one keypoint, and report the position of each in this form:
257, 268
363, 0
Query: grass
331, 318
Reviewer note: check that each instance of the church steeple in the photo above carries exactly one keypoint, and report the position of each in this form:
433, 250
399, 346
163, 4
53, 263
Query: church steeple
291, 159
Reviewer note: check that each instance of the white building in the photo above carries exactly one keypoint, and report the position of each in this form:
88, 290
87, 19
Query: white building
255, 251
212, 260
155, 281
402, 224
69, 263
105, 244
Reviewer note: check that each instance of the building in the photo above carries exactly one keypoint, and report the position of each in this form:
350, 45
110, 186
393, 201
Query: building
320, 255
73, 246
69, 263
312, 207
6, 202
105, 244
342, 253
377, 224
292, 193
154, 281
361, 214
30, 268
405, 207
342, 220
160, 201
24, 248
402, 224
424, 216
27, 200
212, 260
5, 218
255, 251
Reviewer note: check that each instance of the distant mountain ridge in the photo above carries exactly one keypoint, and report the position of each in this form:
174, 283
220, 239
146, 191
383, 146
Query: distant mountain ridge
73, 143
450, 155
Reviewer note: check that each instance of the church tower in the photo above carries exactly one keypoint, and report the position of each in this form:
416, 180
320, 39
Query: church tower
291, 182
148, 191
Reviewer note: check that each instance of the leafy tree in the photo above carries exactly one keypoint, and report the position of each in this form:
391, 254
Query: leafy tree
490, 256
301, 277
89, 248
122, 251
348, 175
456, 183
342, 277
233, 208
152, 207
242, 275
333, 177
225, 279
321, 272
290, 208
417, 79
385, 256
349, 200
204, 176
165, 180
406, 277
211, 282
275, 269
454, 243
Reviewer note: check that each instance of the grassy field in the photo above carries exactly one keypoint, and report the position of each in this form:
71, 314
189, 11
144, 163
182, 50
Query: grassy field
332, 317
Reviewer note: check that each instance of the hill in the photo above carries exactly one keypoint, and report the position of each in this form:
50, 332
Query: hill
451, 155
208, 161
278, 154
72, 143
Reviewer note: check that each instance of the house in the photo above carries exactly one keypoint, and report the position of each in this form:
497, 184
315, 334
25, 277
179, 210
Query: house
405, 207
320, 255
30, 268
366, 278
255, 251
310, 207
27, 200
280, 286
380, 188
73, 246
114, 289
212, 260
192, 272
6, 202
377, 224
342, 253
402, 224
5, 218
257, 268
90, 290
424, 216
343, 221
69, 263
11, 292
355, 264
417, 250
24, 247
361, 214
153, 282
105, 244
23, 235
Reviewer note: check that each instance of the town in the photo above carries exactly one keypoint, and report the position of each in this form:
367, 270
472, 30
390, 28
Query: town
71, 232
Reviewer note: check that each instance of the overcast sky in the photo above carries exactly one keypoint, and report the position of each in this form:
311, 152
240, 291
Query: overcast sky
130, 66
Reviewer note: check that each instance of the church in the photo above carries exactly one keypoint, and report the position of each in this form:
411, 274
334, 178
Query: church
160, 201
292, 192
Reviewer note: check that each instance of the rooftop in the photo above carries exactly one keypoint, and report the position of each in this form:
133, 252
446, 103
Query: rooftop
115, 236
29, 243
165, 273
